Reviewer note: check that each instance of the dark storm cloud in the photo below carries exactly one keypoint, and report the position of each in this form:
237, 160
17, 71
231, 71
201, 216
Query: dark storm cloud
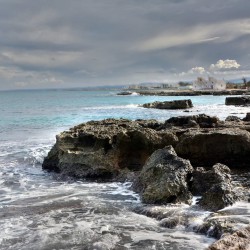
70, 43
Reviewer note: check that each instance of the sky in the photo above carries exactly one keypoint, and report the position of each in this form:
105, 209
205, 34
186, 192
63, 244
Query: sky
77, 43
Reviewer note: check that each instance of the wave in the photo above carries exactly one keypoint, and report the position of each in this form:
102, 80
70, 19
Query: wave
112, 107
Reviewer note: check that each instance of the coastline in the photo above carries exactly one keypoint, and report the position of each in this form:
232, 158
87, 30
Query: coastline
120, 148
160, 92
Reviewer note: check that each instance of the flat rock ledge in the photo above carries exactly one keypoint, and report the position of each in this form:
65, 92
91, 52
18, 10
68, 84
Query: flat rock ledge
238, 101
178, 104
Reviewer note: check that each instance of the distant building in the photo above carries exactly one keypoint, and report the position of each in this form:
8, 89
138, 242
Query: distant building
210, 84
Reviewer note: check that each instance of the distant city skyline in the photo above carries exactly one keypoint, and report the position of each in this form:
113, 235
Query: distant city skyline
66, 44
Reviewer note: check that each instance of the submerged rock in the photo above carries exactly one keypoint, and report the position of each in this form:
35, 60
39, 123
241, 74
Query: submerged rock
124, 93
165, 178
238, 101
178, 104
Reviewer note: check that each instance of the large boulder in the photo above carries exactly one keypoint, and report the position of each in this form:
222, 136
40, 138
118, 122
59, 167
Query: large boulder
215, 186
207, 147
238, 101
218, 196
165, 178
203, 180
178, 104
103, 149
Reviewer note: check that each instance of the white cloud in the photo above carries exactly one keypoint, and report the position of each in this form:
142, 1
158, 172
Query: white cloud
217, 32
197, 70
225, 64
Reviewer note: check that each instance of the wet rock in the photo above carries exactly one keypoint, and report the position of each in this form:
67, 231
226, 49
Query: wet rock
124, 93
238, 101
247, 118
239, 240
178, 104
202, 120
203, 180
165, 178
207, 147
104, 149
218, 196
215, 186
233, 118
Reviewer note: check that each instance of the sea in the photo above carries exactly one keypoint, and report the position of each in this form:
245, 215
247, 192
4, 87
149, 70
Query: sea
45, 211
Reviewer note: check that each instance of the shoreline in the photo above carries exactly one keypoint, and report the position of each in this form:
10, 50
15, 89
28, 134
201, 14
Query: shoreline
161, 92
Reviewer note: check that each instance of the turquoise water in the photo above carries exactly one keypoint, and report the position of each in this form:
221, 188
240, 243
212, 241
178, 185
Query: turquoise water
40, 210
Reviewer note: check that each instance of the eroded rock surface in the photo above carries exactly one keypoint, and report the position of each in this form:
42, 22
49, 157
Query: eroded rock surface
207, 147
102, 149
239, 240
165, 178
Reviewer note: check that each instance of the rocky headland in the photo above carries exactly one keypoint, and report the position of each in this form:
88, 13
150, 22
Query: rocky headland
168, 162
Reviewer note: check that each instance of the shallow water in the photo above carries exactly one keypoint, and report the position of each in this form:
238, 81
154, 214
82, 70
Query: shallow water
40, 210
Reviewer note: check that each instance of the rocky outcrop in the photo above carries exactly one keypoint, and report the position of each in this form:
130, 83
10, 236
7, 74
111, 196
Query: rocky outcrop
207, 147
103, 149
178, 104
238, 101
202, 121
165, 178
239, 240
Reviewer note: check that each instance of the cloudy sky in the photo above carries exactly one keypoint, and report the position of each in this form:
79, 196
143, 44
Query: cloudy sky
61, 43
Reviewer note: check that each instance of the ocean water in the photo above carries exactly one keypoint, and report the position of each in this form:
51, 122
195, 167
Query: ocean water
40, 210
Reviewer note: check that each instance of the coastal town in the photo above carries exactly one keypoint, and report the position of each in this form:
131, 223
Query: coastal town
201, 83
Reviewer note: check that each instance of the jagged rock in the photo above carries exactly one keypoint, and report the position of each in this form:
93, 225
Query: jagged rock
215, 186
247, 118
207, 147
201, 120
165, 178
238, 101
178, 104
103, 149
239, 240
203, 180
218, 197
